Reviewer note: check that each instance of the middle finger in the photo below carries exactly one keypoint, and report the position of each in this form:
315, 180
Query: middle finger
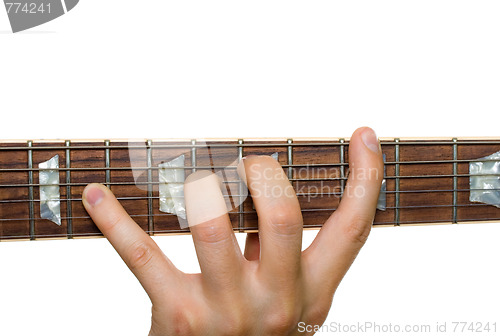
280, 218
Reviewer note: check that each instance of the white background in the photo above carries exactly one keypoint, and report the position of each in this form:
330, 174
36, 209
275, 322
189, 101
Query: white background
158, 69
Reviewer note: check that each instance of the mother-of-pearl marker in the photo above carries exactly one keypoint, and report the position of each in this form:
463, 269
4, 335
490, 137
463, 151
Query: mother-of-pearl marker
171, 186
382, 199
485, 180
50, 199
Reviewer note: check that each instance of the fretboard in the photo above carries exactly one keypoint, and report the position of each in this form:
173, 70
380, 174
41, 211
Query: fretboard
427, 181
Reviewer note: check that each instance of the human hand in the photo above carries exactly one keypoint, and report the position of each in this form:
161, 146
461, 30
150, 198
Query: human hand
273, 285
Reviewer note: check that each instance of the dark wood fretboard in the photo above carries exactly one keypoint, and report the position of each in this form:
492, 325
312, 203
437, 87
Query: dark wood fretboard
427, 180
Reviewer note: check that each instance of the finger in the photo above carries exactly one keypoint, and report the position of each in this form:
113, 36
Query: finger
280, 218
141, 254
345, 232
218, 251
252, 246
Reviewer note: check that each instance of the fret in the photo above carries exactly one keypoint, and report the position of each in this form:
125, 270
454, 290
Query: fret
241, 218
455, 180
31, 191
193, 155
342, 168
69, 210
150, 187
397, 184
107, 154
290, 158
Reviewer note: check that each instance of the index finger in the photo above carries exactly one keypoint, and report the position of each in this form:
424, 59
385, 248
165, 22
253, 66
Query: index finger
141, 254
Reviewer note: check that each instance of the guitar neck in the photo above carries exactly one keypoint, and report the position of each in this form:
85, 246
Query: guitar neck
427, 181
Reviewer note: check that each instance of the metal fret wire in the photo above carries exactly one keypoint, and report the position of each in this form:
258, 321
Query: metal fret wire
241, 217
455, 180
342, 167
30, 192
396, 148
193, 157
149, 144
69, 211
290, 159
107, 162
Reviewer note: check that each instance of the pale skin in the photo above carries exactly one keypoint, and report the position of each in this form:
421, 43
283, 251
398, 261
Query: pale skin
271, 286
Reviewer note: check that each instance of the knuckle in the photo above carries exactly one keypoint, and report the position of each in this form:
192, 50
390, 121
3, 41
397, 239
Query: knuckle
235, 324
318, 312
113, 223
282, 320
285, 222
284, 229
211, 233
182, 323
140, 255
358, 229
177, 318
280, 323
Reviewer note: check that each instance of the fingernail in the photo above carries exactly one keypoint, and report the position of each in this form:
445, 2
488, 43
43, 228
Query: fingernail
370, 140
93, 195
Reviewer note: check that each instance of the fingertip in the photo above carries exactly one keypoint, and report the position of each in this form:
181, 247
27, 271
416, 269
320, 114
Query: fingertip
93, 194
366, 169
369, 139
365, 151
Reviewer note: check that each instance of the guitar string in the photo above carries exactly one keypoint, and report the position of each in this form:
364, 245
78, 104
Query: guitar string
254, 211
308, 165
311, 194
137, 183
236, 229
326, 165
217, 144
